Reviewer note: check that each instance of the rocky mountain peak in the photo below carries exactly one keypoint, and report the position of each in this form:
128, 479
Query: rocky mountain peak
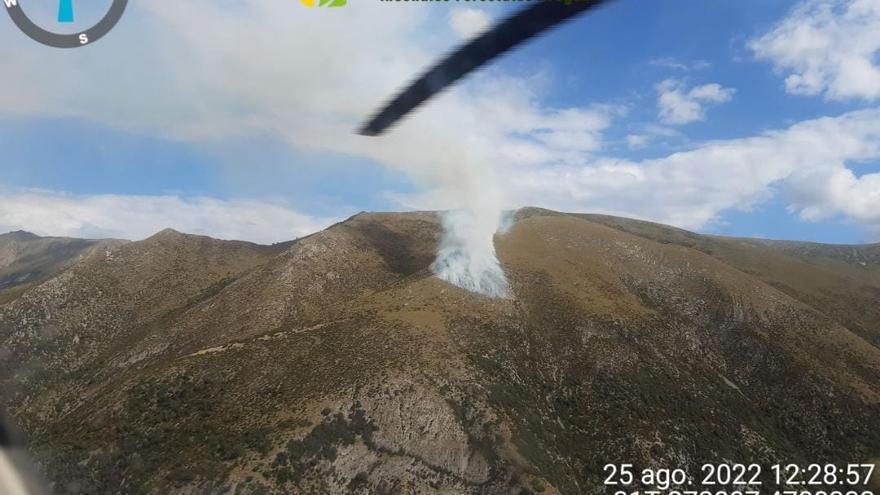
18, 235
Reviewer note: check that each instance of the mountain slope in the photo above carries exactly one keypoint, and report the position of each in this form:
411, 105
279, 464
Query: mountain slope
338, 364
843, 282
27, 259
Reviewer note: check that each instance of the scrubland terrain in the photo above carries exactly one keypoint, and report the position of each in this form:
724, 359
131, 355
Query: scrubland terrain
337, 363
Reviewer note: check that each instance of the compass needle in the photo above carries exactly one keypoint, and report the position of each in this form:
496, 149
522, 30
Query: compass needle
65, 10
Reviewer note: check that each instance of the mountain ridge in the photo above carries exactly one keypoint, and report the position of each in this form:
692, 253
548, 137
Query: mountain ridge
523, 212
27, 259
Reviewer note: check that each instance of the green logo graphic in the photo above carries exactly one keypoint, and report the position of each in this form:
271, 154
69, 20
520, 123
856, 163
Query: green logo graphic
324, 3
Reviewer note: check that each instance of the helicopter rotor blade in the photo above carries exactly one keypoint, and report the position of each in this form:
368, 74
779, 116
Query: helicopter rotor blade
511, 32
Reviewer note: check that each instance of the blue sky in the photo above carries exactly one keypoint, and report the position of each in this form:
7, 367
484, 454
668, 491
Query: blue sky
645, 109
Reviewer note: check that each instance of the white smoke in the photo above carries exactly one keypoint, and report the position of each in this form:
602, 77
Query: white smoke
466, 256
460, 171
465, 185
196, 81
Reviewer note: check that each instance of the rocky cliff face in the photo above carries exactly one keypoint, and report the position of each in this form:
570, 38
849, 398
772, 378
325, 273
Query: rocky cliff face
338, 364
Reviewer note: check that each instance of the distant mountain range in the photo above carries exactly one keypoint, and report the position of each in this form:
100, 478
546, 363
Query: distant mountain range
337, 363
27, 259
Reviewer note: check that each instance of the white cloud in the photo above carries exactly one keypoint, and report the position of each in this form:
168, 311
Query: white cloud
822, 193
673, 63
808, 160
677, 105
137, 217
637, 141
655, 134
198, 79
827, 47
467, 22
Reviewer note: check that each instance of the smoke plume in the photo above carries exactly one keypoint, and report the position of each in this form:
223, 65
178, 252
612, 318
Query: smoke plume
459, 171
466, 256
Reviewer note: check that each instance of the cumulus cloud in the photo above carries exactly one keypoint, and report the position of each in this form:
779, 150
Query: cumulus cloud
811, 162
678, 105
822, 193
137, 217
197, 80
827, 47
467, 22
